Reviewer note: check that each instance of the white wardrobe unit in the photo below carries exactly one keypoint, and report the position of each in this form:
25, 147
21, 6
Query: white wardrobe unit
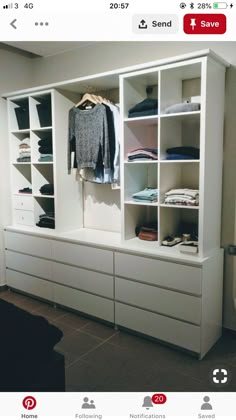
92, 261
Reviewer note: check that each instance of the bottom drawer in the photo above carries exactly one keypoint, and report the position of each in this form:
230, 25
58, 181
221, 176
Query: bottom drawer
30, 284
84, 302
24, 217
158, 326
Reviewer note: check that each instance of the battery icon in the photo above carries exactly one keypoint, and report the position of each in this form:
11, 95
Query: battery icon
220, 5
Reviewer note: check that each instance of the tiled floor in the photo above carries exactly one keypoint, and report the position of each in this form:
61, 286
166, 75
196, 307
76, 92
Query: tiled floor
98, 358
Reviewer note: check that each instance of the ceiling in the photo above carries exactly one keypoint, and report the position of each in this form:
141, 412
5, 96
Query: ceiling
46, 49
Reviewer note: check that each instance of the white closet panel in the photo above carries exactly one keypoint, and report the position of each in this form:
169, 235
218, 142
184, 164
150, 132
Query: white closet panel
29, 265
28, 244
158, 326
30, 284
23, 217
89, 281
166, 302
161, 273
84, 302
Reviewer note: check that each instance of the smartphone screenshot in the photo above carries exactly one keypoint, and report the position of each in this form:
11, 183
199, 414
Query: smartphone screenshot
117, 210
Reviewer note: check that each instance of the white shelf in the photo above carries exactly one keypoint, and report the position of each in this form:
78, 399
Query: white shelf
21, 163
180, 161
194, 115
137, 203
43, 163
25, 131
148, 120
145, 162
179, 206
43, 195
48, 129
23, 194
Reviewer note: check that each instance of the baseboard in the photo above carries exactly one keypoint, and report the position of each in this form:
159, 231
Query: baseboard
3, 288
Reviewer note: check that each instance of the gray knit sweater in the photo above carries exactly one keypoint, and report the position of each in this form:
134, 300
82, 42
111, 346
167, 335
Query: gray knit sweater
90, 131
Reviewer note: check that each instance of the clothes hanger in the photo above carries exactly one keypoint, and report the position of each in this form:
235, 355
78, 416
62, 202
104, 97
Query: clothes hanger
87, 97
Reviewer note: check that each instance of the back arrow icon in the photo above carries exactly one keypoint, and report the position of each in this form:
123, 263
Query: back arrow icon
12, 23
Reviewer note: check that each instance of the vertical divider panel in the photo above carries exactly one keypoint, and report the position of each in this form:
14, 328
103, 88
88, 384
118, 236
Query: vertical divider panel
122, 197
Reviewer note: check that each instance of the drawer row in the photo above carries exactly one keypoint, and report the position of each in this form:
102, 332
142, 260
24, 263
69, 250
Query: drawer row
145, 296
156, 272
164, 328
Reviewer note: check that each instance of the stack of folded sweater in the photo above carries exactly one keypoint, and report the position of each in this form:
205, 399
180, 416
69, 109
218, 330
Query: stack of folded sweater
182, 153
144, 108
182, 196
47, 189
47, 220
182, 107
145, 153
24, 151
45, 149
148, 195
147, 231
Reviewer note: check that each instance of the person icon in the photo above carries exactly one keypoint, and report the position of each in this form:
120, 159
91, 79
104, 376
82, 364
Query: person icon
92, 404
86, 403
206, 405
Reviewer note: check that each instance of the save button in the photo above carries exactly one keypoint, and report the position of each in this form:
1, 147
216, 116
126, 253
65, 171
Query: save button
205, 24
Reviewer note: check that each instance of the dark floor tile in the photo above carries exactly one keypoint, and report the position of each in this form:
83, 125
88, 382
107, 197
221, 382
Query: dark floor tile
74, 321
99, 330
49, 312
78, 343
66, 329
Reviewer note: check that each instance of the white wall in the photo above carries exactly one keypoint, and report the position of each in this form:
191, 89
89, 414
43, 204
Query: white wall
15, 73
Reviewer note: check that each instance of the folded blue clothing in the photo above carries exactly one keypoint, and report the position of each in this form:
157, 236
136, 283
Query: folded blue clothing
176, 156
148, 194
145, 113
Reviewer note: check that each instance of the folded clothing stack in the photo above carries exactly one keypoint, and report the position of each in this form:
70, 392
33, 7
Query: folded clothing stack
47, 189
47, 220
147, 231
45, 149
25, 190
24, 151
182, 196
182, 107
144, 108
148, 195
145, 153
182, 153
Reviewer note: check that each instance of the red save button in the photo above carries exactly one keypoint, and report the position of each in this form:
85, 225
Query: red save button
205, 24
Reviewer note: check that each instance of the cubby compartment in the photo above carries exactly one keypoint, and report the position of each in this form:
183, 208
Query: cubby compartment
20, 147
179, 84
176, 222
44, 207
42, 146
19, 114
180, 131
136, 216
177, 176
21, 177
42, 175
139, 176
40, 111
137, 88
140, 134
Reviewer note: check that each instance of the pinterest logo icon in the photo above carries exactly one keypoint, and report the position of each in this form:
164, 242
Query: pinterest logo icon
29, 403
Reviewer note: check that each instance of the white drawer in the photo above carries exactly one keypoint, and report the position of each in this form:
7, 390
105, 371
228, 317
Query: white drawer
23, 217
28, 244
30, 284
161, 273
158, 326
23, 202
84, 302
89, 281
166, 302
83, 256
29, 265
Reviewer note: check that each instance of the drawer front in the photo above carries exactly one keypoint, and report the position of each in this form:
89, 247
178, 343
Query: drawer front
89, 281
84, 302
29, 265
23, 202
30, 284
158, 326
166, 302
28, 244
161, 273
83, 256
23, 217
